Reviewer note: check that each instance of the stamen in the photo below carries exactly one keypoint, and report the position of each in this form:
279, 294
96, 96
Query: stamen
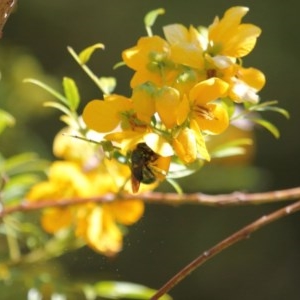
204, 112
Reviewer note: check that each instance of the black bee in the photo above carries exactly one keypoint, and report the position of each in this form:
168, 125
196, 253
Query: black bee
141, 171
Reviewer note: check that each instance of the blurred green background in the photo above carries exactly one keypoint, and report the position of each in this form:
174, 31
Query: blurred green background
267, 265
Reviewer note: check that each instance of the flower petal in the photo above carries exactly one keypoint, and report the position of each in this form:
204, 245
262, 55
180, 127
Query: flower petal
208, 90
158, 144
218, 123
253, 77
126, 212
185, 145
231, 38
143, 102
167, 101
102, 233
55, 219
185, 45
104, 116
138, 56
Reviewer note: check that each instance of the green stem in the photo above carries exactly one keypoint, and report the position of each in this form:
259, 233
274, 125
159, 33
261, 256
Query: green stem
13, 245
86, 69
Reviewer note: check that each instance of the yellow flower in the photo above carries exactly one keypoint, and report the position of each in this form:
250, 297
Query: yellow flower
143, 101
150, 58
171, 109
165, 101
55, 219
126, 212
99, 230
245, 85
67, 146
96, 224
105, 115
65, 180
210, 116
190, 144
185, 44
228, 36
185, 145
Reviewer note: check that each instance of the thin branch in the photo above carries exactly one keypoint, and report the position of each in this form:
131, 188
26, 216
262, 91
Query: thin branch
6, 7
229, 241
235, 198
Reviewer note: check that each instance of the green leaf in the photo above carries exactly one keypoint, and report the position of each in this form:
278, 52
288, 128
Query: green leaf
267, 125
50, 90
71, 92
251, 106
227, 152
151, 16
70, 121
107, 84
85, 55
231, 148
23, 163
176, 186
122, 290
280, 110
58, 106
17, 187
229, 105
118, 65
178, 170
269, 106
6, 120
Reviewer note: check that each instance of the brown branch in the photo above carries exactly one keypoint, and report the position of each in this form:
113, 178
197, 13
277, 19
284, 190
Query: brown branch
231, 240
236, 198
6, 7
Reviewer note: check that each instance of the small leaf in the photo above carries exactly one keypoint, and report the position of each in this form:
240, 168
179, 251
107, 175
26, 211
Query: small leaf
227, 152
228, 104
23, 163
158, 144
175, 185
234, 143
48, 89
178, 170
231, 148
71, 92
118, 65
107, 84
57, 106
124, 290
18, 186
269, 126
85, 55
251, 106
70, 121
280, 110
269, 106
151, 16
6, 120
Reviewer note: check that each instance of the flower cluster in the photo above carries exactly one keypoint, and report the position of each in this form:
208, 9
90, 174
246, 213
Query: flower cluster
185, 88
84, 173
